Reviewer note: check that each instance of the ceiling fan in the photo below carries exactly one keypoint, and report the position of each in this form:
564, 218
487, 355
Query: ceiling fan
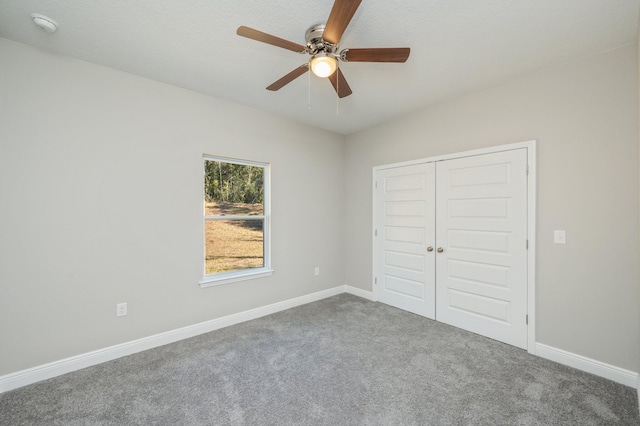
322, 45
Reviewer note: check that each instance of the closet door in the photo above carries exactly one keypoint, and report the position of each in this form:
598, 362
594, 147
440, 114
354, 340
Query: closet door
481, 231
404, 214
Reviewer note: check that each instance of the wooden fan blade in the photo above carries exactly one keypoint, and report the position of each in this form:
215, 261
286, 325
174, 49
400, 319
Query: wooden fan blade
269, 39
339, 18
289, 78
340, 84
390, 54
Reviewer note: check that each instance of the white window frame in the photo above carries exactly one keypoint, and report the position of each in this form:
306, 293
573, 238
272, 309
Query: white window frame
210, 280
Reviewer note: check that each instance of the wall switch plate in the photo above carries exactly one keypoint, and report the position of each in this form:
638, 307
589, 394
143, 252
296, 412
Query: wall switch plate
121, 309
317, 271
560, 236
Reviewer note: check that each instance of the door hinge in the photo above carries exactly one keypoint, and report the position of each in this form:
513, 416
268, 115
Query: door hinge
376, 184
527, 244
527, 170
527, 320
375, 280
375, 233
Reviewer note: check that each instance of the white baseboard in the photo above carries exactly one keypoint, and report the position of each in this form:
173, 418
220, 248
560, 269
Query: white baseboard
617, 374
67, 365
359, 292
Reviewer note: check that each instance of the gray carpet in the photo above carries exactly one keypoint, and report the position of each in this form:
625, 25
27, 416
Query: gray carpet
339, 361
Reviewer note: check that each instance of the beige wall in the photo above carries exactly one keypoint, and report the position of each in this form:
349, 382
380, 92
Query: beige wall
100, 203
584, 116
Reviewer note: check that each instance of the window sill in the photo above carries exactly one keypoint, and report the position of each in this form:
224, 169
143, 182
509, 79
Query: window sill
232, 277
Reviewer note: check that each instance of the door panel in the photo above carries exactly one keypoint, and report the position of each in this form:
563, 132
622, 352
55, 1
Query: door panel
482, 308
481, 276
404, 214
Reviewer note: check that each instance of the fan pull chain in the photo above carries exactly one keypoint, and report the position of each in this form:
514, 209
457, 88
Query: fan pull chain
337, 91
309, 90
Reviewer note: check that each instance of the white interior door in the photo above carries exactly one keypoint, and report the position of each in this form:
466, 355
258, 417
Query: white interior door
481, 228
405, 228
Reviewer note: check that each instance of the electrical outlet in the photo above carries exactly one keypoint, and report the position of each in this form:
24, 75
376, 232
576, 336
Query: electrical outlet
317, 271
121, 309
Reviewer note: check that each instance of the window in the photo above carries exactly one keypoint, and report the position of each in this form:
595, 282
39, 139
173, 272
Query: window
236, 220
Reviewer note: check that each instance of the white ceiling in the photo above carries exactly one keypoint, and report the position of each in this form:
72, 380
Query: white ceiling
457, 47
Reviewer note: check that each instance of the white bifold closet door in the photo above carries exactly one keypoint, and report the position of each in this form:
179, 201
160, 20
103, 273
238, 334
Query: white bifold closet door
406, 212
481, 274
452, 243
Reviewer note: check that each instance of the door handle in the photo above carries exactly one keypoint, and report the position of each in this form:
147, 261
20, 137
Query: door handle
440, 250
429, 248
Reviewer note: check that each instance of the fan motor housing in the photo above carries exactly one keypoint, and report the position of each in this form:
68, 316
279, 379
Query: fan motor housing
315, 43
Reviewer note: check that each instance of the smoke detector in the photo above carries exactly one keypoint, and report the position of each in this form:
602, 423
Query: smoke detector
44, 22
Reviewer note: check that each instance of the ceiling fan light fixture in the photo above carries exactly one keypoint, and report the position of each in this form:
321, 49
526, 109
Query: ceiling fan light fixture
322, 45
323, 65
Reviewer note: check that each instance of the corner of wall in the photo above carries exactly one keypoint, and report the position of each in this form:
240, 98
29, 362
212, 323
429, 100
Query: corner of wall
638, 84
